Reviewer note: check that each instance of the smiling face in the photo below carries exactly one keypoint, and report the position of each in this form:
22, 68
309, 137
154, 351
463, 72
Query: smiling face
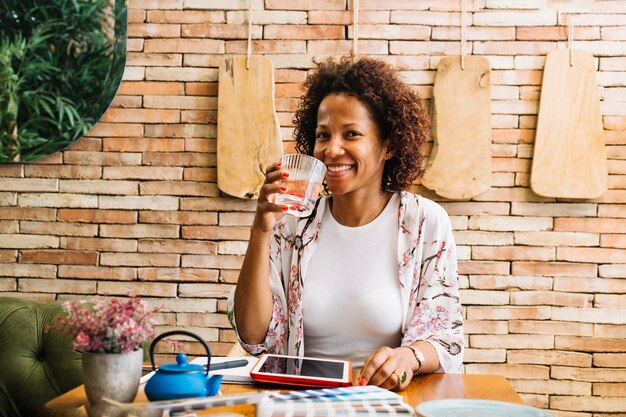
348, 141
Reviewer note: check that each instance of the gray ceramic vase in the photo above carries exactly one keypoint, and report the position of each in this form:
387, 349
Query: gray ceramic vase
111, 375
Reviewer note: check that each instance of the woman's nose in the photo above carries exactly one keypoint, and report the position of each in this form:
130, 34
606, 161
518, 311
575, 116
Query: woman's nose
334, 148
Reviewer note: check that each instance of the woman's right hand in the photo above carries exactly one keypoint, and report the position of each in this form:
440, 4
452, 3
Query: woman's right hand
267, 213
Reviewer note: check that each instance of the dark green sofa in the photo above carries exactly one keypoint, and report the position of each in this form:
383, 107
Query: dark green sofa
35, 365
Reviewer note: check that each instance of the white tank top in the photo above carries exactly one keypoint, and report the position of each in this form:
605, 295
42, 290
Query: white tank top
351, 300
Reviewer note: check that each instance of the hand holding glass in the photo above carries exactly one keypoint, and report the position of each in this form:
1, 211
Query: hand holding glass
303, 184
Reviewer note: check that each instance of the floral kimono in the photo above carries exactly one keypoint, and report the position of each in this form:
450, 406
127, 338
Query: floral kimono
427, 273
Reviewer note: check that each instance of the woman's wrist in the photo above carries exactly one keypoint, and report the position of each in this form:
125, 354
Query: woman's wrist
417, 358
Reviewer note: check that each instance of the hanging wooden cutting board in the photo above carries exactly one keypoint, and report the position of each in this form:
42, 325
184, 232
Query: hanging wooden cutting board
248, 133
569, 159
459, 166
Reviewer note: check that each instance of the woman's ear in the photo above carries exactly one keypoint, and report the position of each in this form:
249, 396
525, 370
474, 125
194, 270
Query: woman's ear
389, 153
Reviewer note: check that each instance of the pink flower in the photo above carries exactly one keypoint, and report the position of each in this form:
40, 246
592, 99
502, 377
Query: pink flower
107, 325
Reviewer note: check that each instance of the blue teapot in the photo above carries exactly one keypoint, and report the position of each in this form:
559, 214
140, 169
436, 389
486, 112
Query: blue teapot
181, 379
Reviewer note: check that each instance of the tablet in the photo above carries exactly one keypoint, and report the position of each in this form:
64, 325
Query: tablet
306, 371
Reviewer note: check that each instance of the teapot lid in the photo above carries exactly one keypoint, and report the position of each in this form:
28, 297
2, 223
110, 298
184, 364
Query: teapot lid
181, 365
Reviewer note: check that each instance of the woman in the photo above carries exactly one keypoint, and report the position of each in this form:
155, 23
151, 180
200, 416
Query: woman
371, 274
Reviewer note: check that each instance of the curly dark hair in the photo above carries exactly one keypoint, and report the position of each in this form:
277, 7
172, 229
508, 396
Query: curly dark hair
396, 108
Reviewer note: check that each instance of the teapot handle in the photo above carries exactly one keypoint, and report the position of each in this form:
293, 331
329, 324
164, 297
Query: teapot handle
186, 333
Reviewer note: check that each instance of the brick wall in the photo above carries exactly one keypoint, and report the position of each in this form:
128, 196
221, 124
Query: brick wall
134, 206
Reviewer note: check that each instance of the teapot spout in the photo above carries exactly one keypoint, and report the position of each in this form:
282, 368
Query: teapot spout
213, 384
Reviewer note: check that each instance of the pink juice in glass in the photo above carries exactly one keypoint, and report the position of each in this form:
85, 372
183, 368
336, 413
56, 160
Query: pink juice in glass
300, 196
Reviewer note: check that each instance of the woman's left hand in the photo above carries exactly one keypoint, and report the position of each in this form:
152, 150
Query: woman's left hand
388, 368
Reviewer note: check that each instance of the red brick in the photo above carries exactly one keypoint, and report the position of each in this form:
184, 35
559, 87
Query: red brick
220, 30
97, 244
153, 30
554, 269
12, 170
27, 213
590, 284
177, 246
304, 5
59, 257
551, 327
180, 159
610, 360
510, 371
97, 272
345, 17
153, 60
181, 131
57, 286
609, 390
139, 230
205, 46
551, 298
139, 202
178, 274
200, 174
198, 116
60, 229
27, 270
139, 259
229, 277
204, 290
516, 253
142, 115
588, 374
264, 46
97, 216
146, 88
64, 171
201, 145
9, 226
179, 188
510, 282
8, 256
143, 173
178, 217
143, 144
591, 255
187, 16
306, 32
117, 129
180, 102
152, 289
612, 271
555, 33
543, 357
483, 267
215, 232
89, 143
101, 158
212, 261
590, 344
509, 313
595, 225
201, 89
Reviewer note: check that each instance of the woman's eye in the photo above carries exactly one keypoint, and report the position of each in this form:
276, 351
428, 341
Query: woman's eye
321, 135
353, 133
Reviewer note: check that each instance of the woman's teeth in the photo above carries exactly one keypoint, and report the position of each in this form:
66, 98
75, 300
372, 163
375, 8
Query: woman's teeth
339, 169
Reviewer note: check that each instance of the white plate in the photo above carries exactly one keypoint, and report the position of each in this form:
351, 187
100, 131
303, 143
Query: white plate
474, 408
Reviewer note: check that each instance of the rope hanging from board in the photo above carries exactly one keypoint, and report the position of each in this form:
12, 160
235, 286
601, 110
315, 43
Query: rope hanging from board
355, 27
249, 45
463, 33
570, 39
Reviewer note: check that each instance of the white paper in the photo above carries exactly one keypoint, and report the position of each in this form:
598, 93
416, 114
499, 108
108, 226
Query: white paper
240, 375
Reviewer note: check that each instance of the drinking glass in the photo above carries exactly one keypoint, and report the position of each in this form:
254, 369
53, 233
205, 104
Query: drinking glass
303, 185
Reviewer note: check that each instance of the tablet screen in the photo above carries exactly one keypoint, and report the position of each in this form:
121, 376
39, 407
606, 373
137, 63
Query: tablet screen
304, 367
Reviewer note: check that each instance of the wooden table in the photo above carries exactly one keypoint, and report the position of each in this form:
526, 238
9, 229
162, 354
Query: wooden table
422, 388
